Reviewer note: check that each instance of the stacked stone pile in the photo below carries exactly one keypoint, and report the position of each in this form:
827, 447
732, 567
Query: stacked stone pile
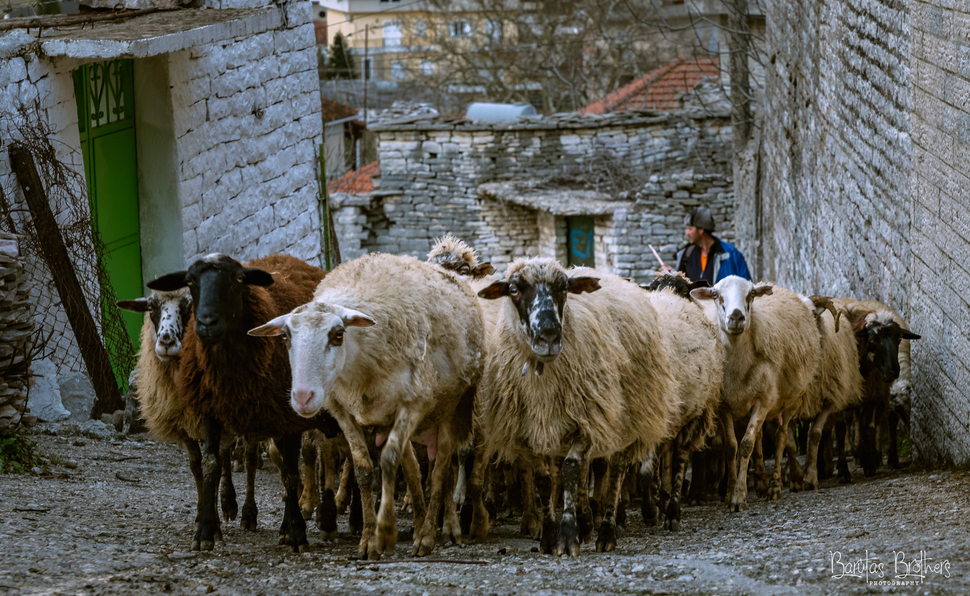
16, 327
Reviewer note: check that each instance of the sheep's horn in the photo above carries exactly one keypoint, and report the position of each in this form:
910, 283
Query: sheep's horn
525, 368
826, 303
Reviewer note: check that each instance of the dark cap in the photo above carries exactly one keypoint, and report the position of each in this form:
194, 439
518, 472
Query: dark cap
700, 218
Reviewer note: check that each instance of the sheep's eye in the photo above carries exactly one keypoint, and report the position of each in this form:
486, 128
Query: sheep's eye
513, 290
189, 283
240, 278
463, 270
337, 339
715, 295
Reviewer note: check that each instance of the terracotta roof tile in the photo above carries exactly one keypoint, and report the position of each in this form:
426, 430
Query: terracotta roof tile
660, 89
333, 110
356, 182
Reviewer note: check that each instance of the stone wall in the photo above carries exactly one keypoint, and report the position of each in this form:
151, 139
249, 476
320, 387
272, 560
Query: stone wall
245, 125
864, 171
431, 172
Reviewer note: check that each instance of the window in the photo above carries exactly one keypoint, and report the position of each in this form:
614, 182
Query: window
580, 240
427, 68
392, 34
420, 28
398, 70
493, 32
462, 29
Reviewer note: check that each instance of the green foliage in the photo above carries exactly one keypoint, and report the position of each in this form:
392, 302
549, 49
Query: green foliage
340, 65
18, 453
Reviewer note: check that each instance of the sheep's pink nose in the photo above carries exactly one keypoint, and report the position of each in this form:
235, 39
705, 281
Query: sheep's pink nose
303, 397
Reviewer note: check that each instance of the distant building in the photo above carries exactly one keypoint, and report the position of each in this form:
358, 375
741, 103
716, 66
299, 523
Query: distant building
661, 89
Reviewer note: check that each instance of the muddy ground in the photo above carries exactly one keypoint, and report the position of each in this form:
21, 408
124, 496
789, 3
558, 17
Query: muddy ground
121, 523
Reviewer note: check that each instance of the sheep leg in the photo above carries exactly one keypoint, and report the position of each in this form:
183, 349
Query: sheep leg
207, 530
546, 485
326, 473
309, 497
364, 473
730, 456
344, 491
795, 473
293, 526
195, 465
476, 487
249, 511
739, 498
440, 485
571, 469
401, 432
585, 512
412, 476
666, 457
810, 481
606, 539
781, 440
450, 525
842, 467
758, 469
599, 466
648, 505
892, 456
678, 469
870, 453
227, 491
531, 523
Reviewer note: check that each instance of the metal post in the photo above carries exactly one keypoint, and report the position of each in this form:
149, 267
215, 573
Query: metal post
325, 208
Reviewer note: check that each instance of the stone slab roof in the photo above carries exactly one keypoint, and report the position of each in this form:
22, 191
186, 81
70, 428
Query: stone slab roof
156, 33
557, 201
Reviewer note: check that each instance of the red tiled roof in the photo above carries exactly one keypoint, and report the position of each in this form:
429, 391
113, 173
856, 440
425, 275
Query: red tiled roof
356, 182
659, 89
333, 110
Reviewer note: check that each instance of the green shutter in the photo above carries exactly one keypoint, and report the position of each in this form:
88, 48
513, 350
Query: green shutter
580, 241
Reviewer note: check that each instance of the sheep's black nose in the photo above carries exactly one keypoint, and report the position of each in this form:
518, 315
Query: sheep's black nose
207, 319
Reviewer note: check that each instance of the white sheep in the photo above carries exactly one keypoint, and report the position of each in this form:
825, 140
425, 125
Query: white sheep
395, 345
697, 362
771, 356
579, 378
837, 386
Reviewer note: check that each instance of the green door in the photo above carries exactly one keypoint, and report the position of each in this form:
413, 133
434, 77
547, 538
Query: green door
106, 120
580, 239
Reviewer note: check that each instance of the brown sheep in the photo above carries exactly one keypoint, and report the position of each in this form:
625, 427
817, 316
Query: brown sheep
231, 379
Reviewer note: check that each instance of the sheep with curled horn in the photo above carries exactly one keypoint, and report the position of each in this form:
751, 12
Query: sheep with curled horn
392, 344
167, 315
771, 356
230, 379
605, 388
697, 362
837, 386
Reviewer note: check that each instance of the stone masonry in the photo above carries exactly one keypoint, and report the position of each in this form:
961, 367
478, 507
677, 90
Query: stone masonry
245, 120
432, 174
865, 168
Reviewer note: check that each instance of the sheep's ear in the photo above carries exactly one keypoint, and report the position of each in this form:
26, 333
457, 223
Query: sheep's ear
273, 328
578, 285
702, 293
257, 277
136, 305
701, 283
824, 303
759, 291
495, 291
907, 334
483, 270
357, 319
169, 281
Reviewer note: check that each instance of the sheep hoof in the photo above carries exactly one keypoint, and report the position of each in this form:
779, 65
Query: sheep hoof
529, 527
206, 535
423, 545
479, 527
606, 541
547, 540
650, 513
386, 539
227, 501
585, 520
368, 548
328, 536
568, 540
737, 504
672, 522
306, 513
248, 519
774, 492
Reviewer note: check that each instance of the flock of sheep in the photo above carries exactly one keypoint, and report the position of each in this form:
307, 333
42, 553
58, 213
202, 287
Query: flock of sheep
569, 378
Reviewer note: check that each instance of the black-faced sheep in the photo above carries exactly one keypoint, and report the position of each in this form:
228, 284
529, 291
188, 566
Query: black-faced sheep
697, 362
882, 340
579, 378
395, 345
771, 355
230, 379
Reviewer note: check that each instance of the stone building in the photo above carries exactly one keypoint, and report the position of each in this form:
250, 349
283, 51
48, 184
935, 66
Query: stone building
865, 159
525, 188
196, 130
